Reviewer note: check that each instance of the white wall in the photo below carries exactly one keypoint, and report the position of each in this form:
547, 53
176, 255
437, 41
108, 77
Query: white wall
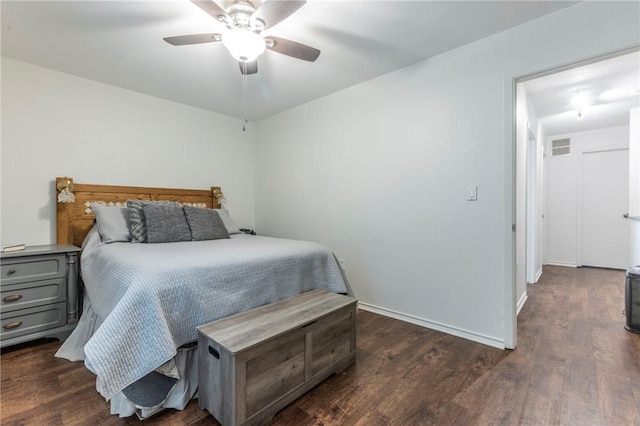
529, 195
522, 123
540, 231
634, 162
563, 190
55, 124
634, 185
379, 172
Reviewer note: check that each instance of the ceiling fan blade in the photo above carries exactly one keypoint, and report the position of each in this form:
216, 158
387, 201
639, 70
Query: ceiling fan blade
272, 12
211, 7
192, 39
292, 48
251, 67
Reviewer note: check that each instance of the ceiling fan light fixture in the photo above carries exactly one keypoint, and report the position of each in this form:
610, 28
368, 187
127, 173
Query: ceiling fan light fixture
243, 44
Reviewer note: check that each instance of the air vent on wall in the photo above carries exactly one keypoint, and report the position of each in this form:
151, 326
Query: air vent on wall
560, 147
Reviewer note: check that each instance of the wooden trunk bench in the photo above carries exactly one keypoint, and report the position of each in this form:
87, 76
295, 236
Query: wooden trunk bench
253, 364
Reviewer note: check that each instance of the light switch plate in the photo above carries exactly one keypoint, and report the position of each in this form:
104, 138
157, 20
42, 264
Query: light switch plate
472, 193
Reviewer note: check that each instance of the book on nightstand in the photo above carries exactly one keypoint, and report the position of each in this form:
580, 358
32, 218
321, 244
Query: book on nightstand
15, 247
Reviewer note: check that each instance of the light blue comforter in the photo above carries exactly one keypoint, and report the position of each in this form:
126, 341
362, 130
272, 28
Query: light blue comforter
151, 297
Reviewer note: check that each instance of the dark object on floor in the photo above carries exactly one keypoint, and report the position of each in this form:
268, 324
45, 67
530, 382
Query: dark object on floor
632, 300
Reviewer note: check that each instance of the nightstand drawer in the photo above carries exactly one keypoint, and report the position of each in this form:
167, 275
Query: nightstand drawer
28, 295
32, 320
33, 268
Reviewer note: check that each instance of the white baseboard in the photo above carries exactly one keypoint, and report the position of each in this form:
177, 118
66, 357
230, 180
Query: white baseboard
536, 277
558, 263
538, 274
521, 302
455, 331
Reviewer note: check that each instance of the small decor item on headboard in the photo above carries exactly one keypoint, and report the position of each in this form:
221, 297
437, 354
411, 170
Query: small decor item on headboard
65, 186
217, 192
218, 195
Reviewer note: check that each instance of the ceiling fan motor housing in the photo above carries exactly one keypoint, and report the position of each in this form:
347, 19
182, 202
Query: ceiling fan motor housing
239, 15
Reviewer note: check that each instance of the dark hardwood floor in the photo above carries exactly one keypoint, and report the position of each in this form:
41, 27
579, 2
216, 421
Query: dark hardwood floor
575, 365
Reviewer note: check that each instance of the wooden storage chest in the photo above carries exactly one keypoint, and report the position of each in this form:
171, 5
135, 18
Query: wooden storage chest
253, 364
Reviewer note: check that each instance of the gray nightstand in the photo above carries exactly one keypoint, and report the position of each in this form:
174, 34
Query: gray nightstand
38, 293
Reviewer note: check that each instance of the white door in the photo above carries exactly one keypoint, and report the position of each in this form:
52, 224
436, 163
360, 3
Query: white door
605, 199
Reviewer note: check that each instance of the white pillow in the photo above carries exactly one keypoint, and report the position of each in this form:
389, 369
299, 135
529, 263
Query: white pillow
113, 223
231, 226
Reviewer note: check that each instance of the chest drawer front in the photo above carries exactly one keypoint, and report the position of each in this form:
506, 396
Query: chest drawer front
33, 268
36, 293
32, 320
277, 367
333, 339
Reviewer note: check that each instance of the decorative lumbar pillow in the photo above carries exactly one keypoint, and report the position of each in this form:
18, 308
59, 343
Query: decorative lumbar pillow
113, 223
165, 223
205, 224
137, 220
231, 226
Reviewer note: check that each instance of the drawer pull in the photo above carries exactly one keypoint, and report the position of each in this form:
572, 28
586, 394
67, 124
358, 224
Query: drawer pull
11, 325
12, 298
11, 272
214, 352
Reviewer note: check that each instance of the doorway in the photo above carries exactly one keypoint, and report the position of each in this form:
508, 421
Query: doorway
532, 157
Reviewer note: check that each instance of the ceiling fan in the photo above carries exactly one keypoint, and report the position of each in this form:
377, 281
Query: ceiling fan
244, 24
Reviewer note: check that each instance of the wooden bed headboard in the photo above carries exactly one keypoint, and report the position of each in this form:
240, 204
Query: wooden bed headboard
75, 219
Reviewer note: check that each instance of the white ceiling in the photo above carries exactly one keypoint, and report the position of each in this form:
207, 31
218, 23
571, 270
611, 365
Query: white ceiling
610, 88
120, 43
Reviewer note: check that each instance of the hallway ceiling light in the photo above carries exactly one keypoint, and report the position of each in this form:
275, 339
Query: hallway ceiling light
579, 99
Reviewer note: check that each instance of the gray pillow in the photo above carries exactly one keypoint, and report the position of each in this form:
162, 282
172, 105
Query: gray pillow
165, 223
231, 226
138, 225
205, 224
112, 222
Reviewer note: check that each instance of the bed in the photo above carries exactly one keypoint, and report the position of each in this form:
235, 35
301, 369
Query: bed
147, 287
